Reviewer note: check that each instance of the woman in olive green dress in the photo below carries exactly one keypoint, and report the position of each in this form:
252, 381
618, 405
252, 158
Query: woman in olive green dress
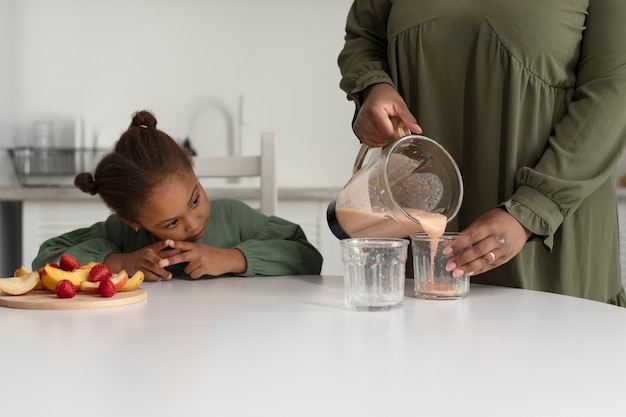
529, 98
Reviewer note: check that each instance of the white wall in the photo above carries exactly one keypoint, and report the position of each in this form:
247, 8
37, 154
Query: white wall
104, 60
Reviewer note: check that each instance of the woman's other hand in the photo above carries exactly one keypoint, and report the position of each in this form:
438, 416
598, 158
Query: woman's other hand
374, 124
490, 241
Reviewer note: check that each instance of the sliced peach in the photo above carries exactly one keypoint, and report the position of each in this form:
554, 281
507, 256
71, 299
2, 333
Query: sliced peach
42, 272
88, 265
119, 280
19, 285
88, 286
133, 282
21, 271
52, 276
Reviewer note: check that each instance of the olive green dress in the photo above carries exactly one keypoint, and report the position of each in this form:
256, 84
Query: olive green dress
529, 97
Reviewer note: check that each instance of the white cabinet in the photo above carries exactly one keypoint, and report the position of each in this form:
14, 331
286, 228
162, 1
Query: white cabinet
311, 216
42, 220
45, 219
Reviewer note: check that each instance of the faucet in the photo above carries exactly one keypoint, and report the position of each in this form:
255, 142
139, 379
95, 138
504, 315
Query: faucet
233, 139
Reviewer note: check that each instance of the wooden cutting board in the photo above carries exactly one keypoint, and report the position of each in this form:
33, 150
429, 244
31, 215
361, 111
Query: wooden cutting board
47, 300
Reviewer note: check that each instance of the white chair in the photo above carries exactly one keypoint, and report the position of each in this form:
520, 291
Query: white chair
262, 166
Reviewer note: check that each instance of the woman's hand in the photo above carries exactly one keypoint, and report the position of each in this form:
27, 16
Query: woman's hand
381, 104
147, 259
490, 241
205, 260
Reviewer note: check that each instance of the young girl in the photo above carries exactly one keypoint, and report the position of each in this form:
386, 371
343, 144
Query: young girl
164, 225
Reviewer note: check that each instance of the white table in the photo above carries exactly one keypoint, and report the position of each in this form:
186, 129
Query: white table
285, 346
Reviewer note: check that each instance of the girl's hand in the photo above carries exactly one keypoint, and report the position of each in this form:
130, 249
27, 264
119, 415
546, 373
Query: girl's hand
205, 260
147, 259
490, 241
381, 104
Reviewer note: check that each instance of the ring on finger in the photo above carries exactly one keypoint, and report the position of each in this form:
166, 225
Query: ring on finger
492, 257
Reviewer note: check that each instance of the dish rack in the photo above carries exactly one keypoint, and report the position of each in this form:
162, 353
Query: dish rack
52, 167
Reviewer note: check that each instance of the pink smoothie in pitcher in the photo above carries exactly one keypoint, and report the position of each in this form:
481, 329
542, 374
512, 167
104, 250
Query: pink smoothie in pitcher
382, 224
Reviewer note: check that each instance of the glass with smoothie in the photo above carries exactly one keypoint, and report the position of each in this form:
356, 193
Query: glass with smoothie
432, 280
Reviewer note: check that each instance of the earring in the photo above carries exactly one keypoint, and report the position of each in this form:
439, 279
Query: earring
136, 228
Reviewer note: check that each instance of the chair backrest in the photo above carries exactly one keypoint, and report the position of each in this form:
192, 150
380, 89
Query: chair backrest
262, 166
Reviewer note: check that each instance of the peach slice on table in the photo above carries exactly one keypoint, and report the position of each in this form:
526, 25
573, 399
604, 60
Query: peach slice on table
42, 273
133, 282
119, 280
90, 286
22, 270
19, 285
88, 265
51, 276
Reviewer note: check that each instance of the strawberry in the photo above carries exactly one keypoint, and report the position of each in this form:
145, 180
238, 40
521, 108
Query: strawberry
68, 262
106, 288
99, 272
65, 289
55, 266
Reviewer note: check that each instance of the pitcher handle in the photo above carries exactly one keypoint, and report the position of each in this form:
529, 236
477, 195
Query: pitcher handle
360, 157
401, 131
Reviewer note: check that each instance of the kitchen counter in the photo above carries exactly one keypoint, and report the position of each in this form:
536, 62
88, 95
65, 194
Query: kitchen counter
235, 192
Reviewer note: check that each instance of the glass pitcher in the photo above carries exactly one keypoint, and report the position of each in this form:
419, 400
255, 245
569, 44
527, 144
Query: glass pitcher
410, 185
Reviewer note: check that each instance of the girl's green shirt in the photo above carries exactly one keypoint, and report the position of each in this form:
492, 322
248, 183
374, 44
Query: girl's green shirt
271, 245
